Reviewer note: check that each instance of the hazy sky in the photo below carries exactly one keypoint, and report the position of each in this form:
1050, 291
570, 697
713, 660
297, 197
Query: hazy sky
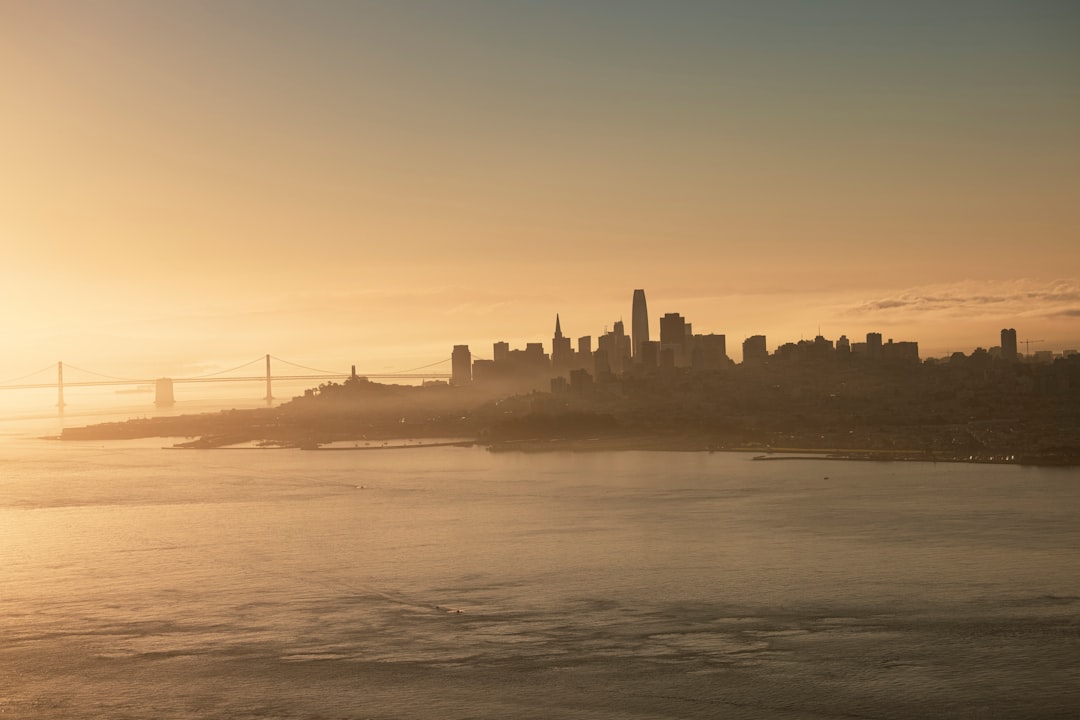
188, 185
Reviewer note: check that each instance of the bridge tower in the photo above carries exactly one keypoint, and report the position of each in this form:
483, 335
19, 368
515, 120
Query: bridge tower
60, 384
269, 395
163, 392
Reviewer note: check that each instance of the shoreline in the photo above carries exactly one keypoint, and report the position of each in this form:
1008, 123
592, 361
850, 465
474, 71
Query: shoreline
761, 453
186, 432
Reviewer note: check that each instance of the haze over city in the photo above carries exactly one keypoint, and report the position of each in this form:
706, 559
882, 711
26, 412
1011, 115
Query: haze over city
186, 186
556, 359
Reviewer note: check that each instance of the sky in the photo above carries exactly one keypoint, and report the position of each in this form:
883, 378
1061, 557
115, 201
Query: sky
185, 186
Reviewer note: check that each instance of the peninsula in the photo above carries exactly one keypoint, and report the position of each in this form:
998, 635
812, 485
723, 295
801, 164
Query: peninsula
974, 408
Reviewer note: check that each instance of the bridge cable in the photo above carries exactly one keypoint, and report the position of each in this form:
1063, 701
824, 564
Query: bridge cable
51, 366
422, 367
305, 367
101, 375
222, 372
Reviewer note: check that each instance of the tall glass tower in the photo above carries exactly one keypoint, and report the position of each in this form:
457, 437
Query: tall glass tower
639, 327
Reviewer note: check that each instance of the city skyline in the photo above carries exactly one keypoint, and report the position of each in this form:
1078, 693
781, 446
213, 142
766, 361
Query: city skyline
562, 357
768, 343
539, 358
186, 186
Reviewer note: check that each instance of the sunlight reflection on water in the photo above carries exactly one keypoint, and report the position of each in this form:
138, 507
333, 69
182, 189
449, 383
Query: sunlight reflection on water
140, 582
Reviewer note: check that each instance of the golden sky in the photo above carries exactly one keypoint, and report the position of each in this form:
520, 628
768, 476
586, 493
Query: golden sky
185, 186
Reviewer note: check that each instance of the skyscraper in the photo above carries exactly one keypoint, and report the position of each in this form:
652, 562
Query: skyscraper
461, 365
673, 337
873, 344
639, 324
616, 348
560, 349
1008, 343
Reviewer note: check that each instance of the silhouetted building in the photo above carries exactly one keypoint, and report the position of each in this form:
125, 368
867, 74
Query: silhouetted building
584, 345
461, 365
843, 345
501, 352
484, 371
580, 381
1008, 344
672, 329
560, 350
873, 344
639, 324
535, 355
709, 352
650, 353
754, 349
673, 336
907, 351
623, 345
601, 362
820, 349
616, 347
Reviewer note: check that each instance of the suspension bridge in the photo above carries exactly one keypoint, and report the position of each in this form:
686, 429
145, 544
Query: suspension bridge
163, 386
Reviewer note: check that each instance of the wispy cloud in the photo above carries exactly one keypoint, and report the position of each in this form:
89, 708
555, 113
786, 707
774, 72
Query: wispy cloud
1022, 298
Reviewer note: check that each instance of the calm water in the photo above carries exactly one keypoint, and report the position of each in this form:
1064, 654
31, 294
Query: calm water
137, 582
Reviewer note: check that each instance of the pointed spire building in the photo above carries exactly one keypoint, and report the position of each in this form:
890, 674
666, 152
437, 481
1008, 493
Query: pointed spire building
561, 352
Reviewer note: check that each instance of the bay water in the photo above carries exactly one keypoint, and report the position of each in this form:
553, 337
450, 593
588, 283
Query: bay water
138, 581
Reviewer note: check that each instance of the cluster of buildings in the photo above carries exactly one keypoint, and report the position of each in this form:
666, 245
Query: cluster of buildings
819, 347
1009, 350
617, 353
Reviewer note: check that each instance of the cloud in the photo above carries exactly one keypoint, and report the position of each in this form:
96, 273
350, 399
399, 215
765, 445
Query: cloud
1022, 298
